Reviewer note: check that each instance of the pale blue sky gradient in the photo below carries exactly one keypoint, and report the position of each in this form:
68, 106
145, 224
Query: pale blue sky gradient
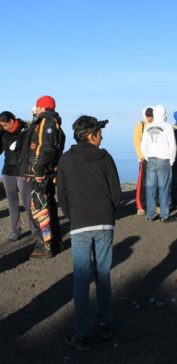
105, 58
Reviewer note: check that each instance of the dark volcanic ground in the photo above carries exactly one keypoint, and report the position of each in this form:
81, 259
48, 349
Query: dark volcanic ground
36, 305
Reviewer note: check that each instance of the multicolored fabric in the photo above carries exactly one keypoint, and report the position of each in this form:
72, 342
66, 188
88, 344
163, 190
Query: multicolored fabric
40, 213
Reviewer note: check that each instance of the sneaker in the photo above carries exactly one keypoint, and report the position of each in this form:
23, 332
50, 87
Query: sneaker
80, 343
105, 331
168, 219
140, 212
14, 236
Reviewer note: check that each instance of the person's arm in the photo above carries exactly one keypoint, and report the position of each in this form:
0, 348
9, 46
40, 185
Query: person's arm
144, 145
47, 148
137, 138
62, 192
1, 142
113, 180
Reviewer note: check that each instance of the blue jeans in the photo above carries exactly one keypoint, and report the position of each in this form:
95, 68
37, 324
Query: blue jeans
159, 175
83, 244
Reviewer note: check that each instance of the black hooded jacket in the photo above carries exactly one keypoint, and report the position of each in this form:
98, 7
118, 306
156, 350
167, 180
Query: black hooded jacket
42, 146
8, 139
88, 186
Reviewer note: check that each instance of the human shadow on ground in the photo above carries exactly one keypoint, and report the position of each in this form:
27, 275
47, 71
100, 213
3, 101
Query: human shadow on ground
159, 273
124, 249
144, 333
5, 212
16, 253
127, 205
20, 255
51, 300
13, 259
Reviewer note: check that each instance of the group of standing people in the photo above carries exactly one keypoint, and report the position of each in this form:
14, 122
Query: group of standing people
31, 154
88, 190
155, 146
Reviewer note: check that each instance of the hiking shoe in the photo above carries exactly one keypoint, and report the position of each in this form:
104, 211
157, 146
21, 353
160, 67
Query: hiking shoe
105, 331
80, 343
140, 212
14, 236
41, 251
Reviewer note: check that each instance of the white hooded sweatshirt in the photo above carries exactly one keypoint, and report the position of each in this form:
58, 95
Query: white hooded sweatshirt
158, 137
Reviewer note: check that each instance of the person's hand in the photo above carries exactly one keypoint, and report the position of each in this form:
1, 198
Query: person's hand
40, 179
27, 179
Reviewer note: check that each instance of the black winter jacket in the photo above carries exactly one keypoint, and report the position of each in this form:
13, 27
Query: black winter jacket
10, 156
42, 146
88, 186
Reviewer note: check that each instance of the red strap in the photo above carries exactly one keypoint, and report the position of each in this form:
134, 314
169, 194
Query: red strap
138, 187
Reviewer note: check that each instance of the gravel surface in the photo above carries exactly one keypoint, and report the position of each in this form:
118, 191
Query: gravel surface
36, 306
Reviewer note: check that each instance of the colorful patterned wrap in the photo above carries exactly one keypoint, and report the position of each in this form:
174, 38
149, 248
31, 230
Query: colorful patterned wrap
40, 213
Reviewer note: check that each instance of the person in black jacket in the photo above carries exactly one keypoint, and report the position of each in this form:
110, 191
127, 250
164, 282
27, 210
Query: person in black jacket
11, 129
44, 145
89, 193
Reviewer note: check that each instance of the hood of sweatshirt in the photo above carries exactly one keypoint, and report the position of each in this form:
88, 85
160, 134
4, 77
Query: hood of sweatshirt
87, 152
49, 114
144, 110
160, 114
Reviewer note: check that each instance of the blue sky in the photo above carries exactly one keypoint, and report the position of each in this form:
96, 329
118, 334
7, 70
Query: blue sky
104, 58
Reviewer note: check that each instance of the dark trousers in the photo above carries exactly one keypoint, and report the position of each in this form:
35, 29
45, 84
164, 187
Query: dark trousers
53, 212
13, 185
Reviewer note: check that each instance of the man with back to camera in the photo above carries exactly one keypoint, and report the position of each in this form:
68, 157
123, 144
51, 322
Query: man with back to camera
89, 192
159, 148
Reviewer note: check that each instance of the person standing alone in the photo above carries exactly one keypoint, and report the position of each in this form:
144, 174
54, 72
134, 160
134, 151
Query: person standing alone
89, 193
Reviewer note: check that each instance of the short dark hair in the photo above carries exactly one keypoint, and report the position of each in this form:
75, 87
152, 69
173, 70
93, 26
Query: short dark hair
149, 112
6, 116
85, 125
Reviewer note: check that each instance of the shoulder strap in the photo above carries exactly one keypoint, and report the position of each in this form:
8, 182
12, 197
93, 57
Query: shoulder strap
142, 123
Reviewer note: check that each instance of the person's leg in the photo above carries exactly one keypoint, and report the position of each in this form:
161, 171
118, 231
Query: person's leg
10, 185
139, 205
151, 187
143, 185
103, 251
55, 223
25, 192
164, 182
81, 254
